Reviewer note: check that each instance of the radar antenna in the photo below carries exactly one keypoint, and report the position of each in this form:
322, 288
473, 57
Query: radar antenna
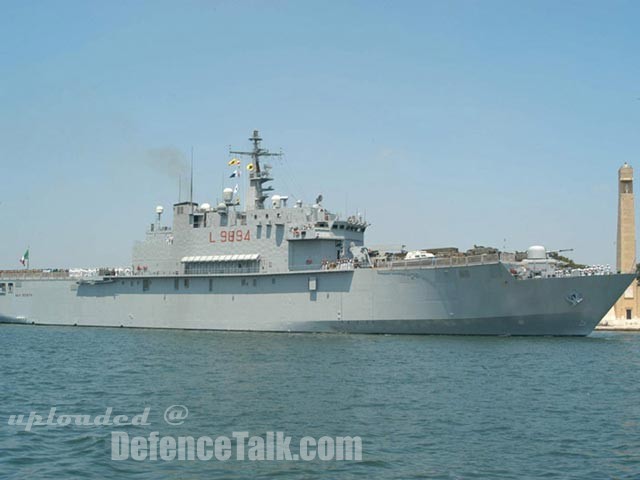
257, 175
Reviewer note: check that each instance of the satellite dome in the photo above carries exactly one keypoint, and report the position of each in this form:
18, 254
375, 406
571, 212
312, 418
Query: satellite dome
159, 209
205, 207
227, 195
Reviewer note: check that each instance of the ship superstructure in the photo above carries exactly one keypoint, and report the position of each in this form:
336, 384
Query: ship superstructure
267, 239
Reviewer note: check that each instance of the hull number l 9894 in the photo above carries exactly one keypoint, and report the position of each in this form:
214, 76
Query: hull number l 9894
225, 236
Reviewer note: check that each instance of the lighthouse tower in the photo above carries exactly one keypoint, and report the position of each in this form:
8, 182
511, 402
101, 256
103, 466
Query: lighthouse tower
625, 308
626, 244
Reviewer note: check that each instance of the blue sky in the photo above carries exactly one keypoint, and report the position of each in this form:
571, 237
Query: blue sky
450, 123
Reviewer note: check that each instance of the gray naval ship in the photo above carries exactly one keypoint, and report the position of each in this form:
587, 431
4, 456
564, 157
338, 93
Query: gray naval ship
272, 266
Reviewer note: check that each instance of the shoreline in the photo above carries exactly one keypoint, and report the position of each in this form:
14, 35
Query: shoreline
618, 328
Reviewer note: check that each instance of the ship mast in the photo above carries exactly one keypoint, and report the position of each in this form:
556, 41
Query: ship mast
257, 176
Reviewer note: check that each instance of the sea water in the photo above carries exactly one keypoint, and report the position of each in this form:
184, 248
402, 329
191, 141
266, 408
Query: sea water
423, 406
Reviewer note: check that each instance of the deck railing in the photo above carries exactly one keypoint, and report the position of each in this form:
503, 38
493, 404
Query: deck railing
444, 262
32, 275
434, 262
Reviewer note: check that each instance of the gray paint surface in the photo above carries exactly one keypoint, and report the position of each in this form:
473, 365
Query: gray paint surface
489, 301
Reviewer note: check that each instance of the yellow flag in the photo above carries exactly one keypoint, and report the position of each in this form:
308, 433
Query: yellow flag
233, 162
250, 167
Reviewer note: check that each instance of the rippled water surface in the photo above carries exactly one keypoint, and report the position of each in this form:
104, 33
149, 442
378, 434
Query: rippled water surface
425, 407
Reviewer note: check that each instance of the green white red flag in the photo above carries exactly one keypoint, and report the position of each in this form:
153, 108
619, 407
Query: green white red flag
25, 258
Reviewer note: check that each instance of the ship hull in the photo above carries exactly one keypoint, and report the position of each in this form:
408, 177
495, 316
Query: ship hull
474, 300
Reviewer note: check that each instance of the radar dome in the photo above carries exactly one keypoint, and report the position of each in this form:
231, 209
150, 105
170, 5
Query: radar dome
159, 209
205, 207
536, 252
227, 195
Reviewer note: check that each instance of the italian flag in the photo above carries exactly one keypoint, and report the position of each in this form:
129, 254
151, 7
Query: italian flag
25, 258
